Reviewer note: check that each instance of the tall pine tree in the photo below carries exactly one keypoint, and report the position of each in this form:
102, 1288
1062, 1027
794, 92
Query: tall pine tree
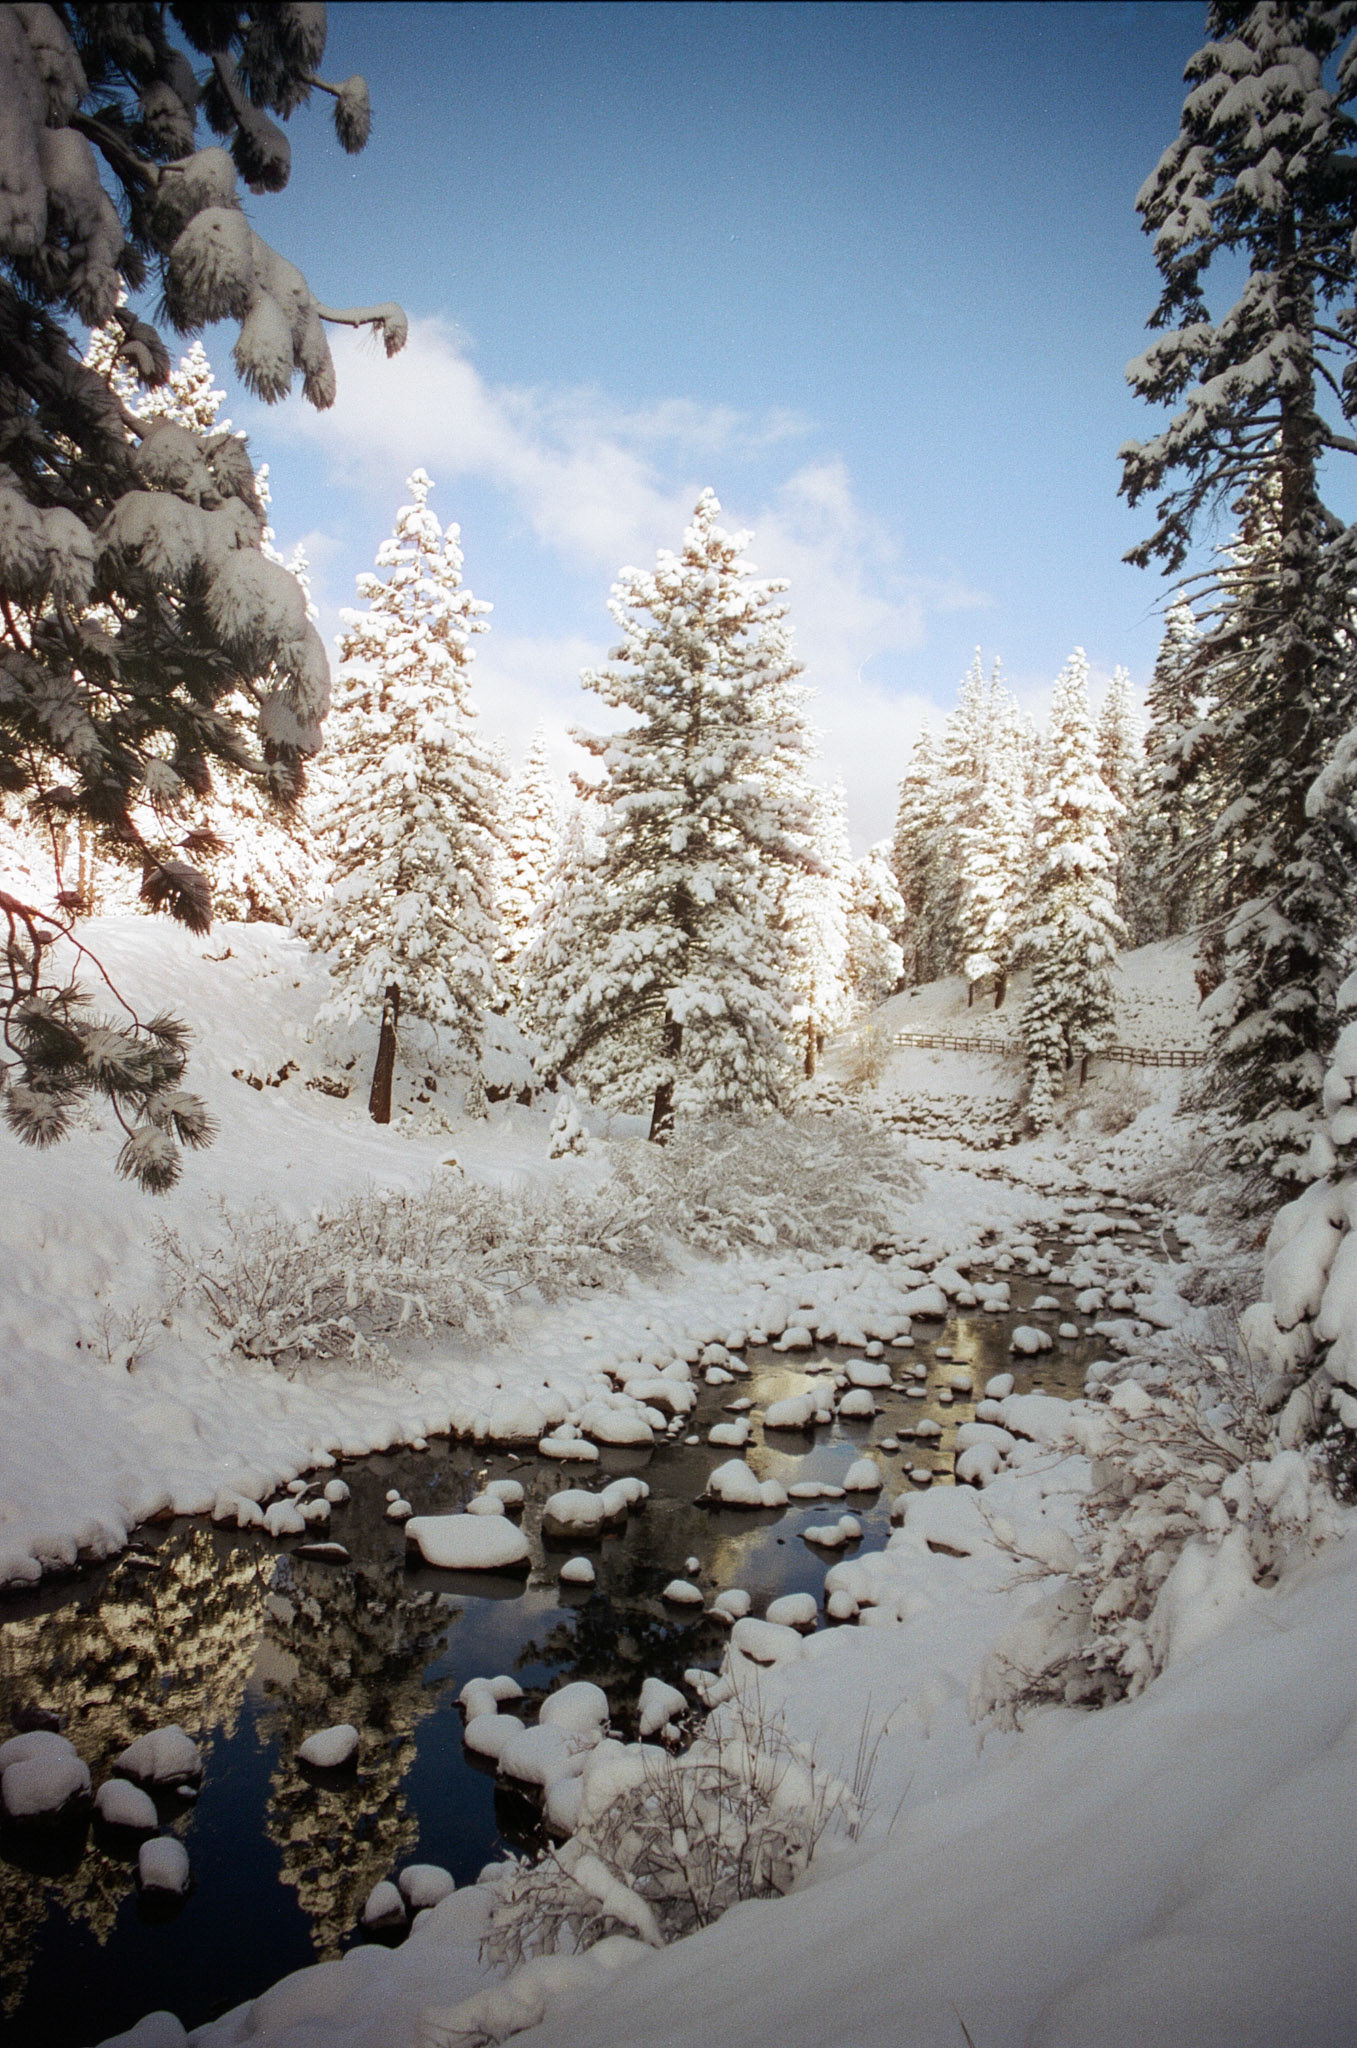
409, 808
1263, 171
1071, 930
665, 984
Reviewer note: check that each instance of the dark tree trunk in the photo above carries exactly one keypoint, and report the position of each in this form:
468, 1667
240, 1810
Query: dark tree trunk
1083, 1070
811, 1049
1000, 988
970, 995
379, 1101
662, 1115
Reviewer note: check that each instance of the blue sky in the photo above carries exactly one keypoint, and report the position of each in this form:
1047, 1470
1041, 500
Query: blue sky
871, 272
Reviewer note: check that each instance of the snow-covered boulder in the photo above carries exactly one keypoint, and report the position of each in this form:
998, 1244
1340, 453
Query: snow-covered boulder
579, 1709
485, 1504
330, 1749
488, 1734
658, 1706
469, 1543
732, 1605
41, 1776
164, 1756
765, 1642
577, 1513
1028, 1340
863, 1476
121, 1804
868, 1372
512, 1419
796, 1411
682, 1593
736, 1486
578, 1571
833, 1535
284, 1518
730, 1436
384, 1906
162, 1865
621, 1423
422, 1885
857, 1405
540, 1755
568, 1450
793, 1610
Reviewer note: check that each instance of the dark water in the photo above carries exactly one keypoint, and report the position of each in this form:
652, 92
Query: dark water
252, 1649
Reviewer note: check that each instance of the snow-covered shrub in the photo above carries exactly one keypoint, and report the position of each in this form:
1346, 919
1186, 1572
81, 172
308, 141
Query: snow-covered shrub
668, 1843
569, 1132
793, 1183
1192, 1505
865, 1060
387, 1264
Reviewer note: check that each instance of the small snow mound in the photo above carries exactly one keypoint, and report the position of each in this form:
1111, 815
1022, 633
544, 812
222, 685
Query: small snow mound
682, 1593
384, 1906
732, 1605
794, 1610
578, 1571
425, 1884
658, 1706
863, 1476
1028, 1340
578, 1708
164, 1756
330, 1749
162, 1865
469, 1543
121, 1804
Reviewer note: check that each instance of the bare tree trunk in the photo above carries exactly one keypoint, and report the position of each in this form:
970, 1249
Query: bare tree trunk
1000, 988
662, 1115
379, 1101
811, 1049
970, 995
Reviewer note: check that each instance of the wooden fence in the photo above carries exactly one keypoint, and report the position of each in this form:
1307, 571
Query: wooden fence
1129, 1055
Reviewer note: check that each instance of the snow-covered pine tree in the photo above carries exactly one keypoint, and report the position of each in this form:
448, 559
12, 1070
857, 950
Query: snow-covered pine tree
409, 805
873, 961
1071, 930
1121, 747
1262, 169
994, 858
532, 844
667, 983
920, 864
1163, 871
813, 912
106, 190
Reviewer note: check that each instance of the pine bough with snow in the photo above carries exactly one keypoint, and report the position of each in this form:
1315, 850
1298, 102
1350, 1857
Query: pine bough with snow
104, 191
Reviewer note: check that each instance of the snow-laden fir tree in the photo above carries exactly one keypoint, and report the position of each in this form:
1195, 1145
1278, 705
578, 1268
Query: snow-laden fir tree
813, 913
409, 805
920, 863
873, 960
1262, 170
665, 983
1071, 930
994, 857
532, 844
1121, 746
1164, 880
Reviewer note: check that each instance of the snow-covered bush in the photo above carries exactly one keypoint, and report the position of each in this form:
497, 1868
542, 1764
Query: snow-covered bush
387, 1264
1192, 1505
668, 1843
793, 1183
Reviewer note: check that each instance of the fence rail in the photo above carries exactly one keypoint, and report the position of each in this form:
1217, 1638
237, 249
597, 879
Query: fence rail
1129, 1055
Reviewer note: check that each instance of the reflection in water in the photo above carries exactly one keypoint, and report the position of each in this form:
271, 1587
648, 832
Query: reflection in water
251, 1650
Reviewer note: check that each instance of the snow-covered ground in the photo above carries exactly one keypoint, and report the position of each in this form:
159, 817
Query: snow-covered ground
1174, 1869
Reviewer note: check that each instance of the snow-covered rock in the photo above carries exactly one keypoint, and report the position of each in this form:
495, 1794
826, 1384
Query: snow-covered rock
121, 1804
423, 1885
384, 1906
163, 1756
469, 1543
863, 1476
41, 1775
578, 1571
578, 1708
682, 1593
793, 1610
659, 1704
163, 1866
330, 1749
796, 1411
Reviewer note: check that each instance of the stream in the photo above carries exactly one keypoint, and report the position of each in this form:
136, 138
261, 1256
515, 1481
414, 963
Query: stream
251, 1648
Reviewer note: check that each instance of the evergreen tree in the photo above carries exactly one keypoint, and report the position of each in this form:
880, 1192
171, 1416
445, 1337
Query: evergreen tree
1165, 858
105, 189
1071, 929
1262, 169
666, 981
409, 805
994, 854
875, 912
532, 843
920, 865
814, 905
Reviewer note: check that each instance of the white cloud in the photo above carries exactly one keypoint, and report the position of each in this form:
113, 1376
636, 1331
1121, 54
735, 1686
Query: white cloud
599, 485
